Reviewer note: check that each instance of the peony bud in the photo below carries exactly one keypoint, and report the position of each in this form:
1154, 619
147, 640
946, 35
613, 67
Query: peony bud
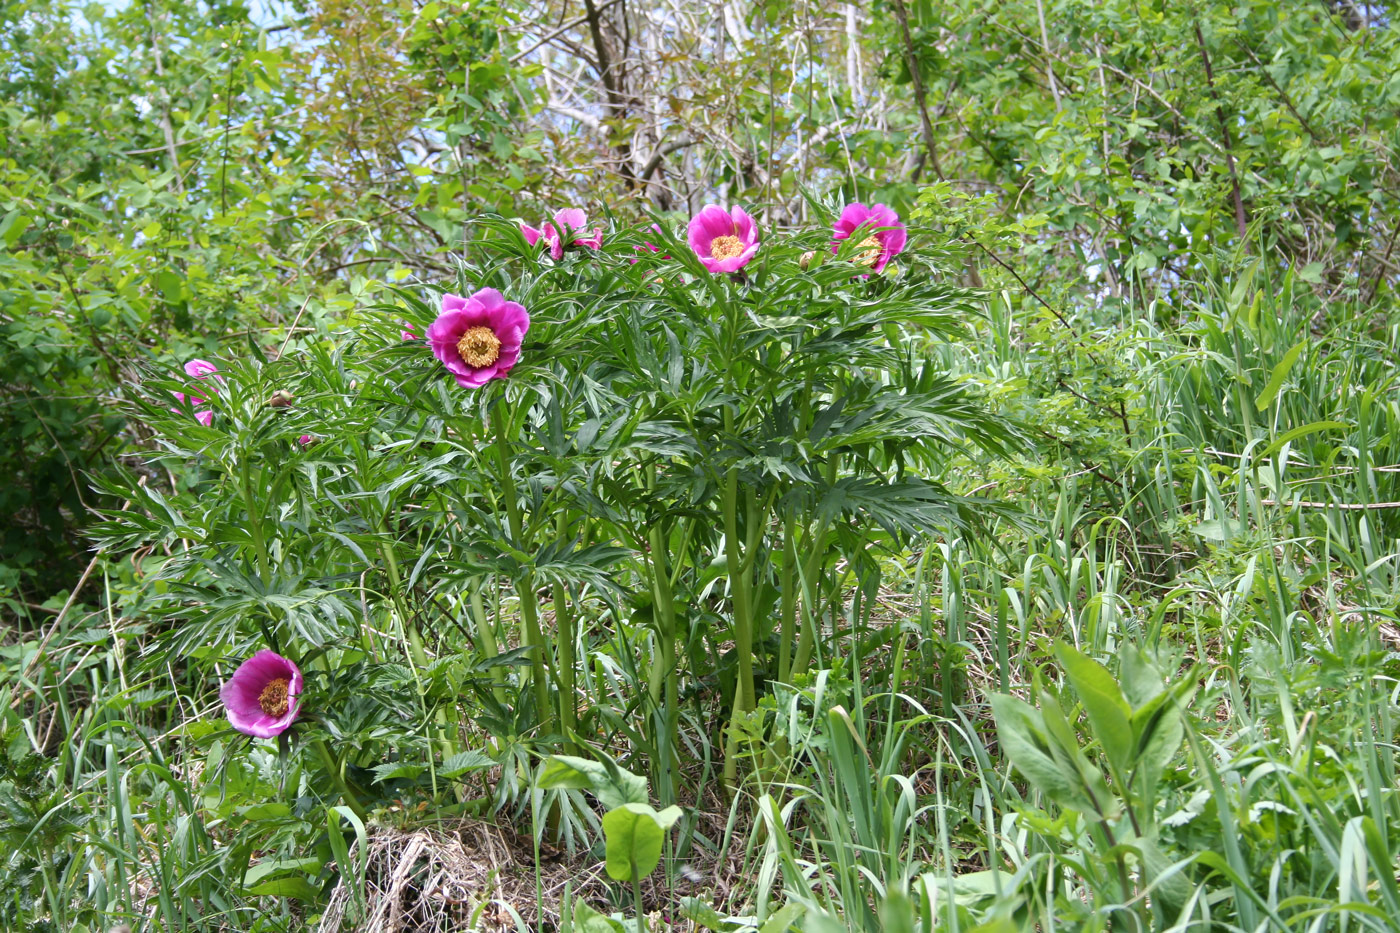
281, 399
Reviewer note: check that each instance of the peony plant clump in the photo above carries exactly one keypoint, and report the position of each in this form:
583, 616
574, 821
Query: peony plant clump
620, 485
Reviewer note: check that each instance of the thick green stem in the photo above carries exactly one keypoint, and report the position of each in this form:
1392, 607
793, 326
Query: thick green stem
744, 698
811, 581
566, 639
531, 635
637, 899
333, 766
486, 635
665, 616
788, 607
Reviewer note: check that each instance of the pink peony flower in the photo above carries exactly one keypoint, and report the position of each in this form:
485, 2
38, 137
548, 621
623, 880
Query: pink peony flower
407, 333
561, 232
878, 246
261, 696
478, 338
306, 439
725, 242
201, 370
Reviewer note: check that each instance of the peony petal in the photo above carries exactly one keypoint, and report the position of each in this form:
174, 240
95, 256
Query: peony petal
716, 221
508, 315
744, 227
851, 219
450, 325
490, 301
556, 246
476, 378
571, 218
200, 368
882, 215
532, 235
453, 303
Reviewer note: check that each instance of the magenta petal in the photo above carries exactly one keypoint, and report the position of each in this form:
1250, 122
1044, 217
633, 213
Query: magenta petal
240, 694
200, 368
712, 221
490, 301
205, 417
556, 245
894, 240
592, 242
851, 219
509, 315
744, 227
882, 215
532, 235
452, 302
733, 263
571, 218
476, 378
449, 326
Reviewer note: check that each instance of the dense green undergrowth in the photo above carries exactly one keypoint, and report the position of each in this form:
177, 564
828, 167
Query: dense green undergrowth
1215, 752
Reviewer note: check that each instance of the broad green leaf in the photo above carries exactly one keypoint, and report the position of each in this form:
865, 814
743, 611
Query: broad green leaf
635, 833
261, 870
613, 787
12, 226
1157, 734
399, 769
783, 918
1103, 703
588, 920
1020, 730
294, 886
1138, 676
699, 912
1063, 746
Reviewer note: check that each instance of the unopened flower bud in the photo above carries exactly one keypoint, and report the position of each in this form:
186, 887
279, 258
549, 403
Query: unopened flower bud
806, 260
280, 399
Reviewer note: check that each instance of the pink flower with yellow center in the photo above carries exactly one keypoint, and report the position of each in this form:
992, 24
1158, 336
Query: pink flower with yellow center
261, 697
478, 338
882, 235
569, 228
724, 240
201, 370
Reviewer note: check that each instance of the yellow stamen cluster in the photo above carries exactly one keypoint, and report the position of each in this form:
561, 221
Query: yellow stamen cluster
274, 698
479, 347
725, 247
868, 251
